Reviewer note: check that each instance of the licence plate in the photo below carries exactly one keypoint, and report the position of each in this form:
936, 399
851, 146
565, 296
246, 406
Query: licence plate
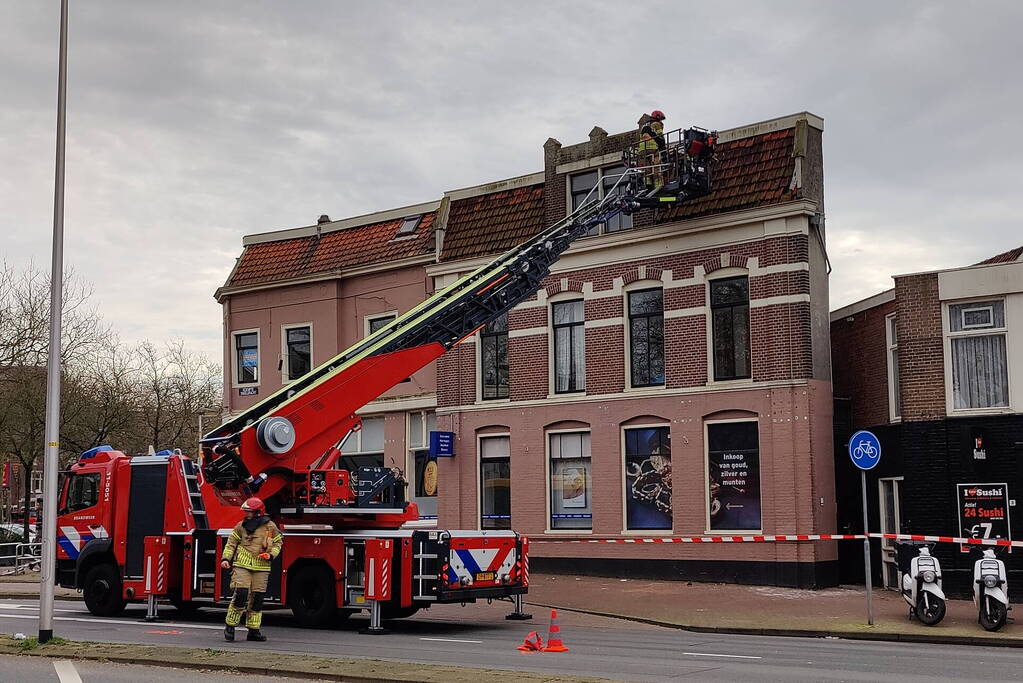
486, 576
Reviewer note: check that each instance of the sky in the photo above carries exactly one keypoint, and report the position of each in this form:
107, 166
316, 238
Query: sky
193, 123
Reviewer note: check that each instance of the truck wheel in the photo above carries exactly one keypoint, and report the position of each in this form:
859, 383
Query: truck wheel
102, 591
312, 596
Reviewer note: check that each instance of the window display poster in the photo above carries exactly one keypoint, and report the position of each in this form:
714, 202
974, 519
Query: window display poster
573, 488
983, 512
648, 478
733, 464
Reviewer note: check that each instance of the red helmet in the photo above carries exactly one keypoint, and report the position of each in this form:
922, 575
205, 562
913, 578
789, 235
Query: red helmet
254, 504
657, 114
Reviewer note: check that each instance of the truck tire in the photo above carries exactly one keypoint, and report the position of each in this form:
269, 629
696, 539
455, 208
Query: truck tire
102, 591
312, 596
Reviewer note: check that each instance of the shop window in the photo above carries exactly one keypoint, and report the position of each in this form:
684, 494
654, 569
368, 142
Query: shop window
980, 377
422, 468
571, 481
494, 359
495, 483
246, 357
83, 492
733, 467
646, 337
729, 309
298, 355
894, 394
569, 347
365, 447
647, 478
580, 185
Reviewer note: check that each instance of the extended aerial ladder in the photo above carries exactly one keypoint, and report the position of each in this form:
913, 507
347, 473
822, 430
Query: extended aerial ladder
280, 447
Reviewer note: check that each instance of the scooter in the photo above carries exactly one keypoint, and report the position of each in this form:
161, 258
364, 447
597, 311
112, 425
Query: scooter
990, 591
921, 588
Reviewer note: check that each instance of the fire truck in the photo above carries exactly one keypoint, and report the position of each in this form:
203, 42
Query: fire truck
153, 526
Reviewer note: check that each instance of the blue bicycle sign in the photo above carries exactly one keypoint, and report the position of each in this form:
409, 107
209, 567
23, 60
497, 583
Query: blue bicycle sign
864, 449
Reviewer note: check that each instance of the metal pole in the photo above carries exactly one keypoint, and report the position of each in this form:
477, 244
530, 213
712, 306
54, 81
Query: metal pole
866, 551
50, 462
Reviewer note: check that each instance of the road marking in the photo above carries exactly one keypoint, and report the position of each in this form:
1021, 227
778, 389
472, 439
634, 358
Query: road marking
709, 654
36, 608
453, 640
66, 671
109, 621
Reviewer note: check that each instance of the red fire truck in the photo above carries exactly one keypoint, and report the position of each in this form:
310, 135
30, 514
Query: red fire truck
153, 526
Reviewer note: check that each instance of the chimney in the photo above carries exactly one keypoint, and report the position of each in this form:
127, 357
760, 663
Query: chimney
324, 218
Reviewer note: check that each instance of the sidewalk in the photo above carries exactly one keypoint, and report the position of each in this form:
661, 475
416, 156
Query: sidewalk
764, 610
27, 586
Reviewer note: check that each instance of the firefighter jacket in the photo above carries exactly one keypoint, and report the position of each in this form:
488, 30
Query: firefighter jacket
249, 539
651, 135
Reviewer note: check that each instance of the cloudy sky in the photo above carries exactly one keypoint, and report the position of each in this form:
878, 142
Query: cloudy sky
193, 123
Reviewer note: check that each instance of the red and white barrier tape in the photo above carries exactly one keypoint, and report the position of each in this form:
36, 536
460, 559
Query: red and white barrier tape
787, 537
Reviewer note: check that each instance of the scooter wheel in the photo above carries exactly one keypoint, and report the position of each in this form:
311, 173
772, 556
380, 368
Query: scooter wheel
930, 611
993, 618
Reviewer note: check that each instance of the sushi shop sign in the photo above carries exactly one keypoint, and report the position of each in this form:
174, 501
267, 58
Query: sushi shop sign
983, 511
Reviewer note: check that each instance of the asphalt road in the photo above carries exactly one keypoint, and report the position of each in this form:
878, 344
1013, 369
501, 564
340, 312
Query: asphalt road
43, 670
478, 636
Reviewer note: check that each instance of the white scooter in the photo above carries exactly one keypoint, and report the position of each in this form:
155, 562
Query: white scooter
990, 591
921, 588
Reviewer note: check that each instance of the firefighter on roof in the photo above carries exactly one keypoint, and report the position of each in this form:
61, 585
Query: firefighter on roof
651, 144
253, 544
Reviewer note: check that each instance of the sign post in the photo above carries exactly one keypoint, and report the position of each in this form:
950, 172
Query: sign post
865, 452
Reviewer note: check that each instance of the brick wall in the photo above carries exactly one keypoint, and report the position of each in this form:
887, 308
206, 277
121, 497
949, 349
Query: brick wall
921, 347
860, 364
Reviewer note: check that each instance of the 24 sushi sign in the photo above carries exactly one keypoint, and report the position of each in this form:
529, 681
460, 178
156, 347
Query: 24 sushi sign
983, 511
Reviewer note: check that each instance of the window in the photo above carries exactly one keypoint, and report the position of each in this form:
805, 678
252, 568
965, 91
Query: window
82, 493
733, 471
647, 478
729, 309
580, 185
37, 481
646, 337
246, 354
569, 347
421, 466
375, 323
495, 483
298, 357
494, 359
408, 226
571, 482
894, 395
980, 377
364, 448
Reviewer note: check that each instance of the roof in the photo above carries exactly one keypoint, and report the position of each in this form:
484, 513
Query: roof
494, 222
1010, 256
332, 251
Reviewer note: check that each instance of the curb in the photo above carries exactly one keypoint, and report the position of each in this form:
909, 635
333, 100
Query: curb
35, 596
938, 639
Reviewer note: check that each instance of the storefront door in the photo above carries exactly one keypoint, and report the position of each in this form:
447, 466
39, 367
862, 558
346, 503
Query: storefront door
889, 496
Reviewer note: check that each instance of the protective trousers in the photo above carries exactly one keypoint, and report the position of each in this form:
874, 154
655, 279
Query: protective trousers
249, 588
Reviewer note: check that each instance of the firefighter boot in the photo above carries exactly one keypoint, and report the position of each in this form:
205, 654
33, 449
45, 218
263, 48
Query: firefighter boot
256, 634
235, 609
254, 619
229, 634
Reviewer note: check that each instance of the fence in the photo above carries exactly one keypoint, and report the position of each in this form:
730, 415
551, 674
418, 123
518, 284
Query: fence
18, 558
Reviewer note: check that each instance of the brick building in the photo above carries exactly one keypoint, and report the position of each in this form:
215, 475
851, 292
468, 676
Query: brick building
934, 366
683, 348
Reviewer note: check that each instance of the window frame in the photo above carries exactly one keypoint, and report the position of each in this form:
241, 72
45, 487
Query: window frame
552, 346
481, 336
549, 471
973, 331
410, 455
36, 476
358, 435
370, 318
81, 476
285, 354
894, 378
235, 382
415, 220
706, 478
569, 195
636, 288
728, 274
626, 531
479, 473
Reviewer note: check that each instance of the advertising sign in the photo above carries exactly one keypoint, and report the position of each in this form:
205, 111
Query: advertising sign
983, 511
442, 444
7, 475
648, 478
733, 465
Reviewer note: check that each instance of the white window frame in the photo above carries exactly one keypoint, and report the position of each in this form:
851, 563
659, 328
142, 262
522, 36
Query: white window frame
367, 319
624, 510
235, 384
478, 342
640, 285
410, 460
725, 274
891, 345
548, 529
706, 480
948, 336
358, 435
36, 481
285, 358
602, 230
479, 471
561, 298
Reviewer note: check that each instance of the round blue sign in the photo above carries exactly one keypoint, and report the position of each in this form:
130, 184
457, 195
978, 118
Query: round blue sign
864, 449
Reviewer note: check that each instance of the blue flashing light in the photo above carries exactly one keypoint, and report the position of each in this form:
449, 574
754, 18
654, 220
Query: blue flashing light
91, 453
165, 451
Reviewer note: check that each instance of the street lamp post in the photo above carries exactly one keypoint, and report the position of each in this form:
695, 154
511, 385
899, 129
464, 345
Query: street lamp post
50, 462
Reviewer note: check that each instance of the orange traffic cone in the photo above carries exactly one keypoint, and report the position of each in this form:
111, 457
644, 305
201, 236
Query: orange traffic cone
532, 643
554, 642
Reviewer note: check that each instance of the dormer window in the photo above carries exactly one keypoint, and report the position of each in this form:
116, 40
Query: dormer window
409, 225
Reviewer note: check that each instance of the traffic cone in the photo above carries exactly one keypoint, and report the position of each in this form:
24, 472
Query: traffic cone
554, 642
532, 643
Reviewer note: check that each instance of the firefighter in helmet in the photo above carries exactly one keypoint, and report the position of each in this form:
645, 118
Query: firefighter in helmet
253, 544
651, 145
